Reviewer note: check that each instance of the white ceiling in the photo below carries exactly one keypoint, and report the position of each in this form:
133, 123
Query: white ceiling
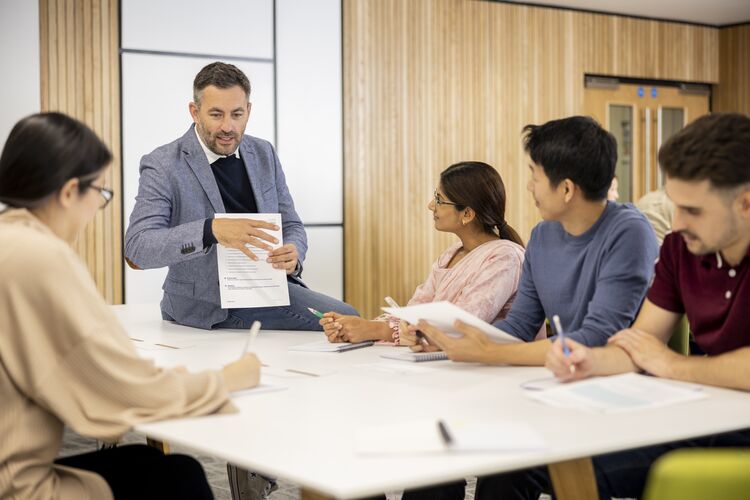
715, 12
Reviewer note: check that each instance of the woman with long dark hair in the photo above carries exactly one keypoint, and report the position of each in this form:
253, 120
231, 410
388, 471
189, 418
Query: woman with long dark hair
64, 358
480, 273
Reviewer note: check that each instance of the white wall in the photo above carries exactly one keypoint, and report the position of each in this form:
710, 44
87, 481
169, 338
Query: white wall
294, 67
19, 58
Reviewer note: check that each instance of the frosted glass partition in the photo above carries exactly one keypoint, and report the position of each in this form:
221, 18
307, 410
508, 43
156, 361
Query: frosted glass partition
19, 58
324, 264
239, 28
309, 105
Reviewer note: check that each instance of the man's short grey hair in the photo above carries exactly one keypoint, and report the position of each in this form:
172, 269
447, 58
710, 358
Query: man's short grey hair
221, 75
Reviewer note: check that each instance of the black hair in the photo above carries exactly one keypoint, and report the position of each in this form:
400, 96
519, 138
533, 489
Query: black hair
477, 185
575, 148
42, 153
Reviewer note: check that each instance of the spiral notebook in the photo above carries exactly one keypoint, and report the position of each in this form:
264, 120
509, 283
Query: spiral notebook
416, 357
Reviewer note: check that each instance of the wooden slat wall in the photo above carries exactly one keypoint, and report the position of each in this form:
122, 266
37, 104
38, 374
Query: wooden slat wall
733, 91
431, 82
80, 76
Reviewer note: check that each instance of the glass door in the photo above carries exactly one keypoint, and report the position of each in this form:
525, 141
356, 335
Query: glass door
642, 118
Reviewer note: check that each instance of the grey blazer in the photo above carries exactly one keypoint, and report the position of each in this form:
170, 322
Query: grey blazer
177, 192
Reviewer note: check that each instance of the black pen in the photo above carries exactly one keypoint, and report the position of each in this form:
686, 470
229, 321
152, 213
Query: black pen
444, 434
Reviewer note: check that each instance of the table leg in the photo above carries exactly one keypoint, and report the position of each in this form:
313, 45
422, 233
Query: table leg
162, 446
307, 494
574, 479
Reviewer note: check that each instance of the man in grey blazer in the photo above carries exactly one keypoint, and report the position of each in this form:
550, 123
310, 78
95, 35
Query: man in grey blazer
215, 168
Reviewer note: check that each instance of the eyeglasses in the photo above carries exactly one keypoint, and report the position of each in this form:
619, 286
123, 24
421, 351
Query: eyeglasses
106, 193
439, 201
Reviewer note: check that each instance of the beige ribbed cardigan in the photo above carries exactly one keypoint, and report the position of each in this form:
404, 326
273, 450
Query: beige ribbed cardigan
65, 360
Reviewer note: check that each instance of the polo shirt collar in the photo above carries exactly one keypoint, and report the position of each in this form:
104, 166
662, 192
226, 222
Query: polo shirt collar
210, 155
716, 257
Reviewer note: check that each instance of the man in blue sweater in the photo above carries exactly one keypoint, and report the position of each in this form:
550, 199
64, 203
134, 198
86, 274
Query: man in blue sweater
589, 261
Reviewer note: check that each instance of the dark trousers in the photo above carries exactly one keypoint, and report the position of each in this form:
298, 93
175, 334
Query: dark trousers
447, 491
142, 472
619, 475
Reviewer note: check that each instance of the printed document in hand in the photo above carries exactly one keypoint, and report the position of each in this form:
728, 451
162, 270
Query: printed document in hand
251, 283
443, 314
619, 393
468, 435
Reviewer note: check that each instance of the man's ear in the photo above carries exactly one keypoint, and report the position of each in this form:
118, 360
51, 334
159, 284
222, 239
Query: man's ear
193, 108
569, 189
743, 204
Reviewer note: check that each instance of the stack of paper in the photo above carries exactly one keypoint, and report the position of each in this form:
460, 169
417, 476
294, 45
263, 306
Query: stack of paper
619, 393
467, 435
443, 315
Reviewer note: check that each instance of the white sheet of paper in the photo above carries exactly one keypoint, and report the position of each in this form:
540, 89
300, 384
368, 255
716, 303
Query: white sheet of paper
443, 314
260, 389
247, 283
618, 393
469, 435
325, 346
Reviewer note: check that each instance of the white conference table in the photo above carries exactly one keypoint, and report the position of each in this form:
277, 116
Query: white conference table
305, 433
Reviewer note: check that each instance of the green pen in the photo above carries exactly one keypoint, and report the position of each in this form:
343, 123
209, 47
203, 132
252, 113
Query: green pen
315, 312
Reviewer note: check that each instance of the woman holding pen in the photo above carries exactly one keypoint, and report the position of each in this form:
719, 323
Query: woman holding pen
480, 273
65, 359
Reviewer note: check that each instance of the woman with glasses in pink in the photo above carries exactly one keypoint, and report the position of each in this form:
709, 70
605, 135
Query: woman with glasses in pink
479, 273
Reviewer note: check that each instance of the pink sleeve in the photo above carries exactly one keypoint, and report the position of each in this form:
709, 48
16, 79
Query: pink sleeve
492, 284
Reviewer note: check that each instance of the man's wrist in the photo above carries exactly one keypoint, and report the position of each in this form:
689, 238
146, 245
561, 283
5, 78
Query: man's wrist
208, 233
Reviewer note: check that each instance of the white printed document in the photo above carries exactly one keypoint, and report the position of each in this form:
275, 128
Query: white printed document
463, 435
444, 314
244, 282
619, 393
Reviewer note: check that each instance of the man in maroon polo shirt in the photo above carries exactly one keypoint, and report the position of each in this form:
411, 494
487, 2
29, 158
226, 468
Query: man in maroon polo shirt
703, 271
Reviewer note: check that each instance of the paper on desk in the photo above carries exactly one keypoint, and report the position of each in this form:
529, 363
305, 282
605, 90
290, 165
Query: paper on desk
444, 314
143, 345
618, 393
251, 283
325, 346
259, 389
469, 435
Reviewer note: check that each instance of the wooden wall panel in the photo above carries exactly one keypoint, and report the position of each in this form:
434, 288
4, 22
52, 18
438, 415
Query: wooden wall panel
80, 76
431, 82
733, 91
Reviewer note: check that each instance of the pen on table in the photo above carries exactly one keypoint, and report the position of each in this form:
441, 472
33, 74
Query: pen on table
444, 434
315, 312
254, 329
566, 349
392, 303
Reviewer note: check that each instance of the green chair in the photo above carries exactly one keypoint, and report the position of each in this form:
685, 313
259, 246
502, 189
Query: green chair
693, 474
680, 340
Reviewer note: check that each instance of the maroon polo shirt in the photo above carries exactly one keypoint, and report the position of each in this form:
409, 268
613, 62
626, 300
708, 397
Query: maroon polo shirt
714, 295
